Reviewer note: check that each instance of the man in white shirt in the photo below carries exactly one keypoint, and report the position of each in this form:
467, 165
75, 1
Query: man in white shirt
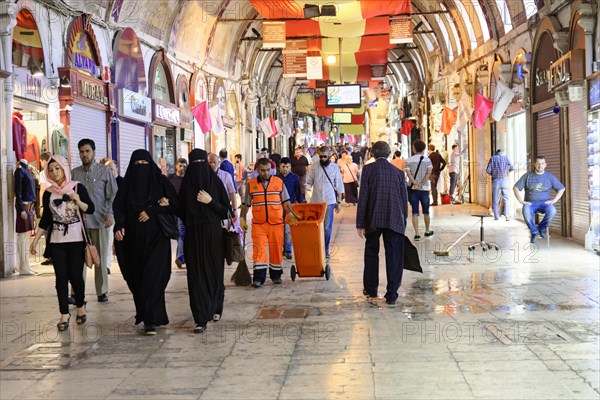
215, 163
326, 181
454, 168
418, 170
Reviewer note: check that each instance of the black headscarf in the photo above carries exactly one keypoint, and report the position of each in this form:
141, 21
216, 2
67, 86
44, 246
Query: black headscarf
200, 176
143, 181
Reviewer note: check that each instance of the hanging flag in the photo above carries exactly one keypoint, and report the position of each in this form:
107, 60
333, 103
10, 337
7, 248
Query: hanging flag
202, 116
216, 120
440, 73
275, 127
448, 120
483, 107
504, 96
266, 127
465, 111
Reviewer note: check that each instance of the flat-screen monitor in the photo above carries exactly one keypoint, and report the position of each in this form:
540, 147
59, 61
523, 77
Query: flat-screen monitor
342, 118
347, 96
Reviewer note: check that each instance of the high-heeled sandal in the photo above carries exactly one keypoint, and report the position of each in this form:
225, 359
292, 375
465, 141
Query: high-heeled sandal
63, 326
80, 319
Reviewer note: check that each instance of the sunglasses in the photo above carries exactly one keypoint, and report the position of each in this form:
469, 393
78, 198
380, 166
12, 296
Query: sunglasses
323, 157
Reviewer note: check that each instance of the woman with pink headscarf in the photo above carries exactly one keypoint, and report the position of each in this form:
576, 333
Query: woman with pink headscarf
64, 202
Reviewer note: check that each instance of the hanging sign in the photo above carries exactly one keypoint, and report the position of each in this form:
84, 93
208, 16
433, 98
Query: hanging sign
294, 59
378, 72
273, 35
314, 68
135, 106
168, 113
401, 30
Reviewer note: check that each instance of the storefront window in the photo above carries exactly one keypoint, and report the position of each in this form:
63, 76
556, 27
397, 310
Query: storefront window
161, 84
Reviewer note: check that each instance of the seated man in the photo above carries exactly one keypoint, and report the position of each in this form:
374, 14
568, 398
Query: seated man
537, 185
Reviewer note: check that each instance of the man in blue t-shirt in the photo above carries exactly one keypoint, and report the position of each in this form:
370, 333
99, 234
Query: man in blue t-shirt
537, 185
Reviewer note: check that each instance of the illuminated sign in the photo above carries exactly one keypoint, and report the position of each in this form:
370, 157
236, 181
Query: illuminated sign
170, 114
87, 64
93, 91
135, 106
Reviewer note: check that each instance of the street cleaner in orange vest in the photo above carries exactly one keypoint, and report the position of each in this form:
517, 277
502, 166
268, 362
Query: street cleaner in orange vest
268, 198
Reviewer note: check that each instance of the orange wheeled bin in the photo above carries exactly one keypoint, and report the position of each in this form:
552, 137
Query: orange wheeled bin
308, 240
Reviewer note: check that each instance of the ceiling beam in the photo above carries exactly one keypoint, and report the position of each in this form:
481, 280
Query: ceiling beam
391, 16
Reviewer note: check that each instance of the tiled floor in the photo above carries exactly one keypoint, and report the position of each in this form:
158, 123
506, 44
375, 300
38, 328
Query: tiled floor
518, 323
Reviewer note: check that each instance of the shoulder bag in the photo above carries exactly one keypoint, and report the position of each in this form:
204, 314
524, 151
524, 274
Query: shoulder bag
234, 249
355, 183
332, 185
91, 252
409, 187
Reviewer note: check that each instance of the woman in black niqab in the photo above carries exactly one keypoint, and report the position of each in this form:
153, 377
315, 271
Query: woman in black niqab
203, 246
144, 252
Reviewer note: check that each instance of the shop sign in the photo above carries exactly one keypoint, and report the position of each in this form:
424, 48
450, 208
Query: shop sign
187, 119
135, 106
93, 91
167, 113
186, 135
273, 35
86, 64
32, 88
401, 30
567, 69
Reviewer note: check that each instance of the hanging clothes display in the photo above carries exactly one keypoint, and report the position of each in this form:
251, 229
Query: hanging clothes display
19, 135
60, 141
32, 151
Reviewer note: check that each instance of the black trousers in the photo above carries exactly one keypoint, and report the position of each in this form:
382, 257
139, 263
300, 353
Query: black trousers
434, 191
394, 261
68, 260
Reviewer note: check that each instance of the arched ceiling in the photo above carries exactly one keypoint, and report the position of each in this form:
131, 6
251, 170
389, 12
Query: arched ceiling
221, 37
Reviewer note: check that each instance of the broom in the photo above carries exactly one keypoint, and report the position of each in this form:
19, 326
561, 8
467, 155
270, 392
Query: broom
241, 276
447, 252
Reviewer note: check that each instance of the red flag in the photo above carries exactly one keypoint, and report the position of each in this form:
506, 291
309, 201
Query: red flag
448, 119
483, 107
202, 116
273, 128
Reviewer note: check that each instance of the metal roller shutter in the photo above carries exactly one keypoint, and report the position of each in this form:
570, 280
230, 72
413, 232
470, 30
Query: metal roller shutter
548, 144
479, 171
580, 210
87, 123
131, 138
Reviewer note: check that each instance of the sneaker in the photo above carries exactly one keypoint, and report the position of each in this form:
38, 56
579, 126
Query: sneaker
508, 218
216, 317
544, 233
434, 204
257, 284
417, 238
533, 237
288, 255
430, 233
103, 298
149, 330
199, 328
47, 261
178, 263
390, 302
277, 281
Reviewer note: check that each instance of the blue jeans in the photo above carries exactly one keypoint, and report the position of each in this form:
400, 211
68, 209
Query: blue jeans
529, 211
287, 238
179, 254
328, 225
500, 185
422, 197
453, 181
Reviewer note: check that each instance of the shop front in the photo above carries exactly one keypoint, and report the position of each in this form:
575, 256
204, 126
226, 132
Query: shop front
186, 133
33, 92
87, 103
135, 109
593, 160
548, 137
166, 117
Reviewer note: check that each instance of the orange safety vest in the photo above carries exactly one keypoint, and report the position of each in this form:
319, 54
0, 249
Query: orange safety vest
266, 203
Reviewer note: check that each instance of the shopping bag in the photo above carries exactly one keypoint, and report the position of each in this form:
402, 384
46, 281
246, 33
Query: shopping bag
411, 256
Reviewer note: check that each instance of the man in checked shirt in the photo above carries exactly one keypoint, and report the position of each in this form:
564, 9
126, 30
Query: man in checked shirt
498, 168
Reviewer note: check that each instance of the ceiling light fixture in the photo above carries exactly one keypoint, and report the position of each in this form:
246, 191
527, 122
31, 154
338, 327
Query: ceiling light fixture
36, 71
311, 11
65, 82
331, 60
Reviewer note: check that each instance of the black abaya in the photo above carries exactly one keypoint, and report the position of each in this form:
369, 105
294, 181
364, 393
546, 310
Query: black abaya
203, 246
144, 255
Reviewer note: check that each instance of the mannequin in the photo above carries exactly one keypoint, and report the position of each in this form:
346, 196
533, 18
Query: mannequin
24, 203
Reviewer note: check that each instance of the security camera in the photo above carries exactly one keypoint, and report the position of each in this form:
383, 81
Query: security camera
68, 108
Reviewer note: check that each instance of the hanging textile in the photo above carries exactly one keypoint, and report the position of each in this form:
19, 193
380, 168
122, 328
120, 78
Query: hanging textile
483, 107
504, 96
202, 116
407, 126
216, 120
464, 111
448, 119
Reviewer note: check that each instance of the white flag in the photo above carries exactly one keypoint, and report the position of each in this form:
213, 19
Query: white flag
216, 120
265, 125
465, 111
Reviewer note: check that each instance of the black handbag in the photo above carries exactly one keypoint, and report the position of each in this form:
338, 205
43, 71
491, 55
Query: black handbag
168, 225
234, 249
411, 256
